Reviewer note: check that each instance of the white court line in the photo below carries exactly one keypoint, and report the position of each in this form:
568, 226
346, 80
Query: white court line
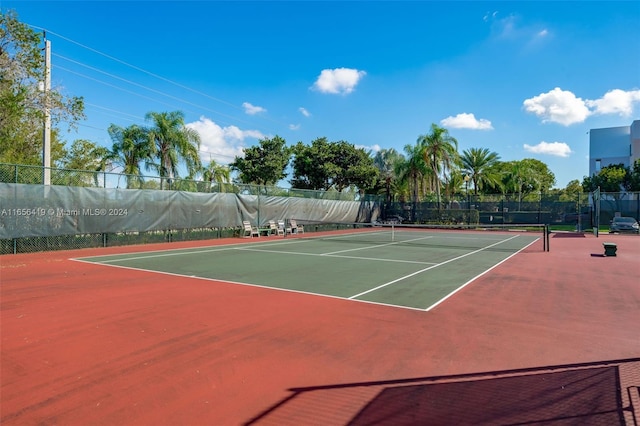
250, 285
377, 259
375, 246
176, 252
190, 250
430, 267
476, 277
352, 298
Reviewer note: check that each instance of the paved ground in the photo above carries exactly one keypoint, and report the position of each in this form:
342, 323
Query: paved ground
87, 344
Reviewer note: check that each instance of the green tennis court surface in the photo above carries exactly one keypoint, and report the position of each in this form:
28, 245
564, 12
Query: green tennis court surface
406, 268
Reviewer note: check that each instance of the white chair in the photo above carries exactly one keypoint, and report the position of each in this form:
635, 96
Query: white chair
282, 228
249, 231
295, 228
272, 229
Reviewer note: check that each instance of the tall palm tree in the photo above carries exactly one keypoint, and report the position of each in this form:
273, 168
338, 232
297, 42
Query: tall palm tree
385, 161
413, 170
173, 142
131, 146
440, 153
478, 164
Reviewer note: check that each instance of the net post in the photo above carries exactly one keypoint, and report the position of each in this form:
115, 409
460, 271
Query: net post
546, 236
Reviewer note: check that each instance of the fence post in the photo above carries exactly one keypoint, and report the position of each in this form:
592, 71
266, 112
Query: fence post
540, 207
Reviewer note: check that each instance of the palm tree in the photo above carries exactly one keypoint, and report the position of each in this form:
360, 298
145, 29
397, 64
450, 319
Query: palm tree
385, 161
440, 153
413, 170
478, 163
215, 172
173, 142
454, 184
131, 146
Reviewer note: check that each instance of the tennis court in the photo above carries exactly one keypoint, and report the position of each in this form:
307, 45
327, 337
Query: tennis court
267, 331
410, 267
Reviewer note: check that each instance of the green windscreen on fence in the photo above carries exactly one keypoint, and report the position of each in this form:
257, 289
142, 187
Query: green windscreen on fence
44, 211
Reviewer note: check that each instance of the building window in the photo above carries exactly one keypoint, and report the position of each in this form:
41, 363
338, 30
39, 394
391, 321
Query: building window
598, 165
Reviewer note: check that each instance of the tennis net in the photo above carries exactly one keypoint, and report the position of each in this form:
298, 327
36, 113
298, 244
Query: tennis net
513, 237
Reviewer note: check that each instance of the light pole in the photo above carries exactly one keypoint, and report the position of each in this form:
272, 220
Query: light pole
466, 184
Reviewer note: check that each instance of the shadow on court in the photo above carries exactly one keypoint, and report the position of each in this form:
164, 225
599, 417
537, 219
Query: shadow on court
600, 393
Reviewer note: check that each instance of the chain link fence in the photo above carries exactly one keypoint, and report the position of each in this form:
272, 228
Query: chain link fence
560, 211
83, 209
574, 212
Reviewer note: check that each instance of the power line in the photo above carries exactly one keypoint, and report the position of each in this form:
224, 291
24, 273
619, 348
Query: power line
147, 88
182, 86
116, 111
137, 68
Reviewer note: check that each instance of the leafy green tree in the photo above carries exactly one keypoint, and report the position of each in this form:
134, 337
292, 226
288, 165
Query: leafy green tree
173, 143
478, 164
312, 165
337, 165
611, 178
80, 160
131, 147
440, 152
573, 186
522, 177
357, 167
264, 164
544, 177
571, 192
22, 103
634, 177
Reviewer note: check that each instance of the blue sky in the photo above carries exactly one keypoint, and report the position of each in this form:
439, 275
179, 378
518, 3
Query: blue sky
524, 79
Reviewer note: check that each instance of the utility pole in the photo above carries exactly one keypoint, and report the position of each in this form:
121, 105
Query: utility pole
46, 145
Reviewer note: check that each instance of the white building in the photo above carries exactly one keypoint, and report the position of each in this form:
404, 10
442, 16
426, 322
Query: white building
614, 145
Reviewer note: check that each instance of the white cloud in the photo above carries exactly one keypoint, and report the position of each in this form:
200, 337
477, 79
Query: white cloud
513, 29
294, 126
223, 144
558, 106
304, 112
466, 121
615, 101
563, 107
558, 149
252, 109
338, 80
374, 147
543, 33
